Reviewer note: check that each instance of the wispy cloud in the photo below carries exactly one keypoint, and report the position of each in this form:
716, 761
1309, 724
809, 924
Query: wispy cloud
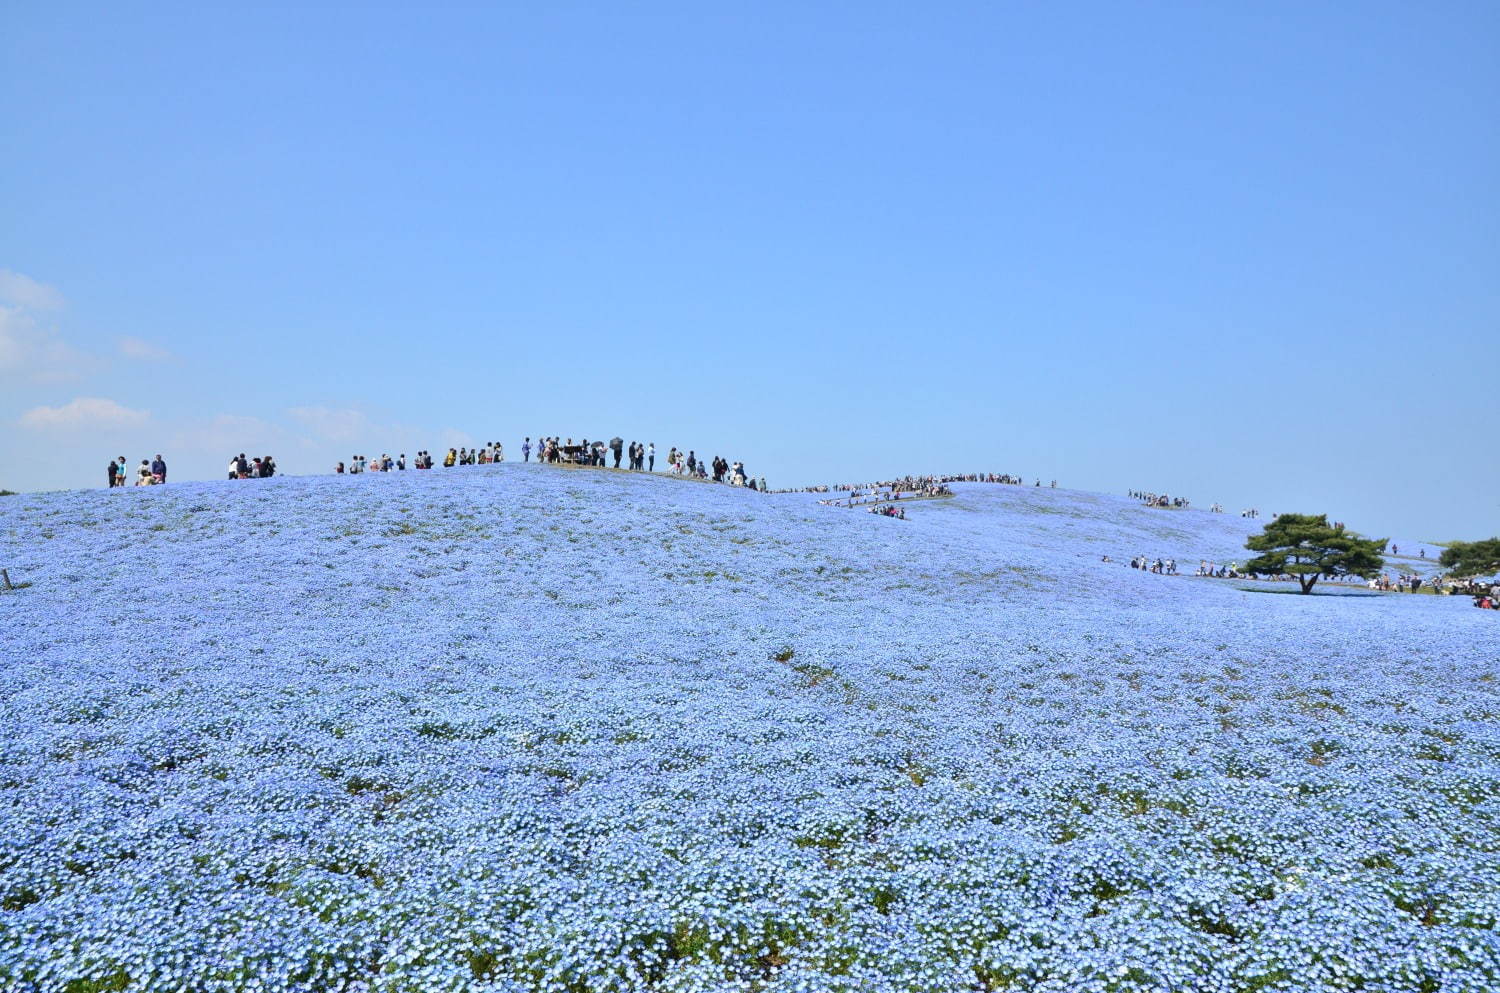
84, 413
23, 291
30, 351
139, 348
230, 433
454, 438
332, 423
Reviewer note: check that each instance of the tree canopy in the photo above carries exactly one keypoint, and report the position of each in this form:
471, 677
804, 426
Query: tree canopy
1472, 558
1308, 547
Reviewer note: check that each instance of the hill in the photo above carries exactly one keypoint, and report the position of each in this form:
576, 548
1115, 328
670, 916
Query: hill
517, 728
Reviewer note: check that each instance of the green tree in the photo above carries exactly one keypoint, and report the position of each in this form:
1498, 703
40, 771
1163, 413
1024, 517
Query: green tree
1472, 558
1307, 546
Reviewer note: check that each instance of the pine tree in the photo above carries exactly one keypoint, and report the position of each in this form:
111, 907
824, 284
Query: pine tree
1307, 546
1472, 558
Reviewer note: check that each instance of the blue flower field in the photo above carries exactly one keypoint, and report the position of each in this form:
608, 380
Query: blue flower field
513, 729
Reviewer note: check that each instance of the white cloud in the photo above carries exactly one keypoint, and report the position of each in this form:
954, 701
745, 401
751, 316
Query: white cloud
23, 291
454, 438
36, 353
84, 412
331, 423
232, 433
139, 348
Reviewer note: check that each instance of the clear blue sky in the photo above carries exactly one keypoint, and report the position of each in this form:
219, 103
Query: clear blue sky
1248, 254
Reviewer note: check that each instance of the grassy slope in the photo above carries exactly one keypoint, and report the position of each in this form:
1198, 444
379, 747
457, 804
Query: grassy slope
623, 706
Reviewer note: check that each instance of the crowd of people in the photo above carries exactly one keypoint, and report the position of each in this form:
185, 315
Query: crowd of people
1159, 499
1402, 583
1386, 582
915, 483
638, 456
862, 497
556, 451
881, 497
1486, 592
240, 467
490, 453
361, 463
1151, 499
151, 472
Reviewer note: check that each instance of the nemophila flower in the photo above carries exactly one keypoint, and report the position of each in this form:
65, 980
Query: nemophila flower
514, 729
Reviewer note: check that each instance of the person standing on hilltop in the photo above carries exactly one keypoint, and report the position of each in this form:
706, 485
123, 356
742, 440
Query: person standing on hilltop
651, 456
110, 474
159, 468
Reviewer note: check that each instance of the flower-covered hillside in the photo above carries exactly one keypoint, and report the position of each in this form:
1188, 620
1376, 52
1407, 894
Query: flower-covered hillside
519, 728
